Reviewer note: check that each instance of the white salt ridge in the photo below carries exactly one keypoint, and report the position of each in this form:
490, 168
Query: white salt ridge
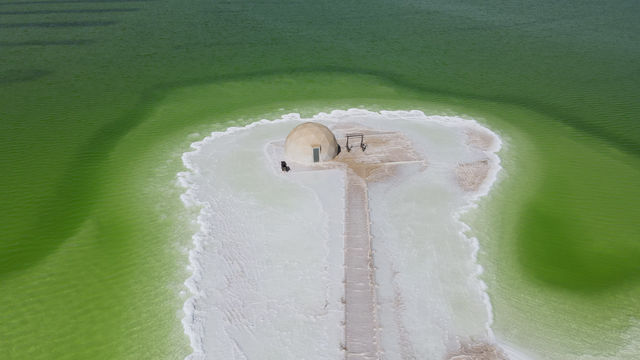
268, 260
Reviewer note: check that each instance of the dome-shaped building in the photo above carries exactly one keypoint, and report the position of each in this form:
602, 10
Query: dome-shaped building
311, 143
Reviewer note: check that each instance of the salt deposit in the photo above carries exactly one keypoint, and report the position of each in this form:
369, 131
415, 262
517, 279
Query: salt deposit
268, 261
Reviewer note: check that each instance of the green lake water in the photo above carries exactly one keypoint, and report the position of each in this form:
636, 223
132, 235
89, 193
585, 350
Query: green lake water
99, 99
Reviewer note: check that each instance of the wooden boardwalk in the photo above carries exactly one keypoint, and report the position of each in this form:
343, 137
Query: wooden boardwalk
384, 153
361, 325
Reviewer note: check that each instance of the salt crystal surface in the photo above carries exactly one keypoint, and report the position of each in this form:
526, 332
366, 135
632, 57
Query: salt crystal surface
268, 260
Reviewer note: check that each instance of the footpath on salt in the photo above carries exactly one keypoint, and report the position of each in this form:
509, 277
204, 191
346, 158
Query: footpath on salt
360, 258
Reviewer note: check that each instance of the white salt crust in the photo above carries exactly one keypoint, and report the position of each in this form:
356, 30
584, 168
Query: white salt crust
267, 262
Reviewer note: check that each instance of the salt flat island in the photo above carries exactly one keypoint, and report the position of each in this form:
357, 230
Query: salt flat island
353, 249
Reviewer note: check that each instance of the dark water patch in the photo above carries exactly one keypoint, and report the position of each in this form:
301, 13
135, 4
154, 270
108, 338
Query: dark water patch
555, 249
46, 43
77, 193
20, 75
68, 11
61, 24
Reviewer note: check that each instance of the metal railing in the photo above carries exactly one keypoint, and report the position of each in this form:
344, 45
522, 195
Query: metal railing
363, 146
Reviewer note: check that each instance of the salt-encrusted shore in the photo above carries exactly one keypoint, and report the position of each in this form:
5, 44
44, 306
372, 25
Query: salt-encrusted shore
368, 310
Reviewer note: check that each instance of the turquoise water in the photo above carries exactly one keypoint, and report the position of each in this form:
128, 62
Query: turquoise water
100, 99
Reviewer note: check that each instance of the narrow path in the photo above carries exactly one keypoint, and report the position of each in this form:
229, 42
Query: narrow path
361, 326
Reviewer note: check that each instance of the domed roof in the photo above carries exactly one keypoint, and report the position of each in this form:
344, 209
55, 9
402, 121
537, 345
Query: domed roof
306, 137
